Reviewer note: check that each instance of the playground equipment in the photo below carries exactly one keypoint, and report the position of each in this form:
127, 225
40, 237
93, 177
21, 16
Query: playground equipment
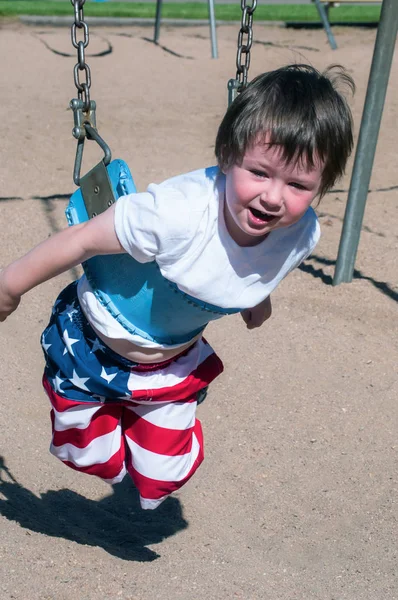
323, 7
212, 21
367, 142
246, 29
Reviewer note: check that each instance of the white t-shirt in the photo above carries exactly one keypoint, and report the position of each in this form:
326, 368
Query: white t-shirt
180, 224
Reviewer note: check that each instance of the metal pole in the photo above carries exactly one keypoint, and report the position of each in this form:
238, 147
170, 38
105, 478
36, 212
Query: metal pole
367, 141
324, 15
214, 51
157, 21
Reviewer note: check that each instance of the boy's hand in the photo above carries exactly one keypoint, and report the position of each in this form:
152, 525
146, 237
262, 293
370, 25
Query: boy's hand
256, 316
7, 303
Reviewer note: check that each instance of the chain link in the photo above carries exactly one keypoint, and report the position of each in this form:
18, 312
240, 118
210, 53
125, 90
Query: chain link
83, 87
245, 41
84, 109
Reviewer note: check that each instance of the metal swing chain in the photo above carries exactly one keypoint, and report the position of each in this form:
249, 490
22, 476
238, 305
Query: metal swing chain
245, 41
83, 89
84, 109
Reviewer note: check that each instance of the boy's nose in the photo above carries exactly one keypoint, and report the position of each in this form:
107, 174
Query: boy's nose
272, 196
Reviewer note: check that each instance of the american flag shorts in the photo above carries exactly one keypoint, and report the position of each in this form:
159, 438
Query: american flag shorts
111, 416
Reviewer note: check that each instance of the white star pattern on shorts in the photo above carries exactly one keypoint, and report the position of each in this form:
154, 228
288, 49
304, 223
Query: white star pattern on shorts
70, 310
57, 382
79, 381
107, 376
68, 342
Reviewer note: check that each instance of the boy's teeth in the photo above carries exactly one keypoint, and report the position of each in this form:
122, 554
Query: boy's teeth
259, 214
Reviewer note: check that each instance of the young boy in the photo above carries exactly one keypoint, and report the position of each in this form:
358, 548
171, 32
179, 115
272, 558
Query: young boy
124, 377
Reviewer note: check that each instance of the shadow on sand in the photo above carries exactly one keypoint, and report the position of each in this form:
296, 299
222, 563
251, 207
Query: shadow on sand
306, 267
116, 523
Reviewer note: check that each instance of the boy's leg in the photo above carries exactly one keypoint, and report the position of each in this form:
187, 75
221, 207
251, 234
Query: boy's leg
86, 436
165, 447
84, 381
163, 437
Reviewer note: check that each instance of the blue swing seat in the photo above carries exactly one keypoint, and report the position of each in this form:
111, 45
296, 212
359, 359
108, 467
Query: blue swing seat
136, 294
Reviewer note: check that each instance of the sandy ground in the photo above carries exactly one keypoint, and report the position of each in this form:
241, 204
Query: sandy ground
297, 497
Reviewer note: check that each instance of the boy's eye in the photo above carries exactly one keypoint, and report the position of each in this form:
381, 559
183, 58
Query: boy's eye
259, 173
298, 186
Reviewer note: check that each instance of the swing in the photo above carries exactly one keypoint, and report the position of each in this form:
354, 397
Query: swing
161, 312
107, 181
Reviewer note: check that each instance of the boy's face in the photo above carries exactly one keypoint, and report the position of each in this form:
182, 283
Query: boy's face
265, 193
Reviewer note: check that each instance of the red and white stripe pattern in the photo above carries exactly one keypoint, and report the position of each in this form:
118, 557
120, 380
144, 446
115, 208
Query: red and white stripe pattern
152, 433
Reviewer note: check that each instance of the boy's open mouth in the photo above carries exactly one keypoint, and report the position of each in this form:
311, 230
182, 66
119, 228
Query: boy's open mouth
262, 216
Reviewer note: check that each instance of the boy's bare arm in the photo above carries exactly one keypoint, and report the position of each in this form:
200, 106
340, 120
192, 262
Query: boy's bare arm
55, 255
256, 316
